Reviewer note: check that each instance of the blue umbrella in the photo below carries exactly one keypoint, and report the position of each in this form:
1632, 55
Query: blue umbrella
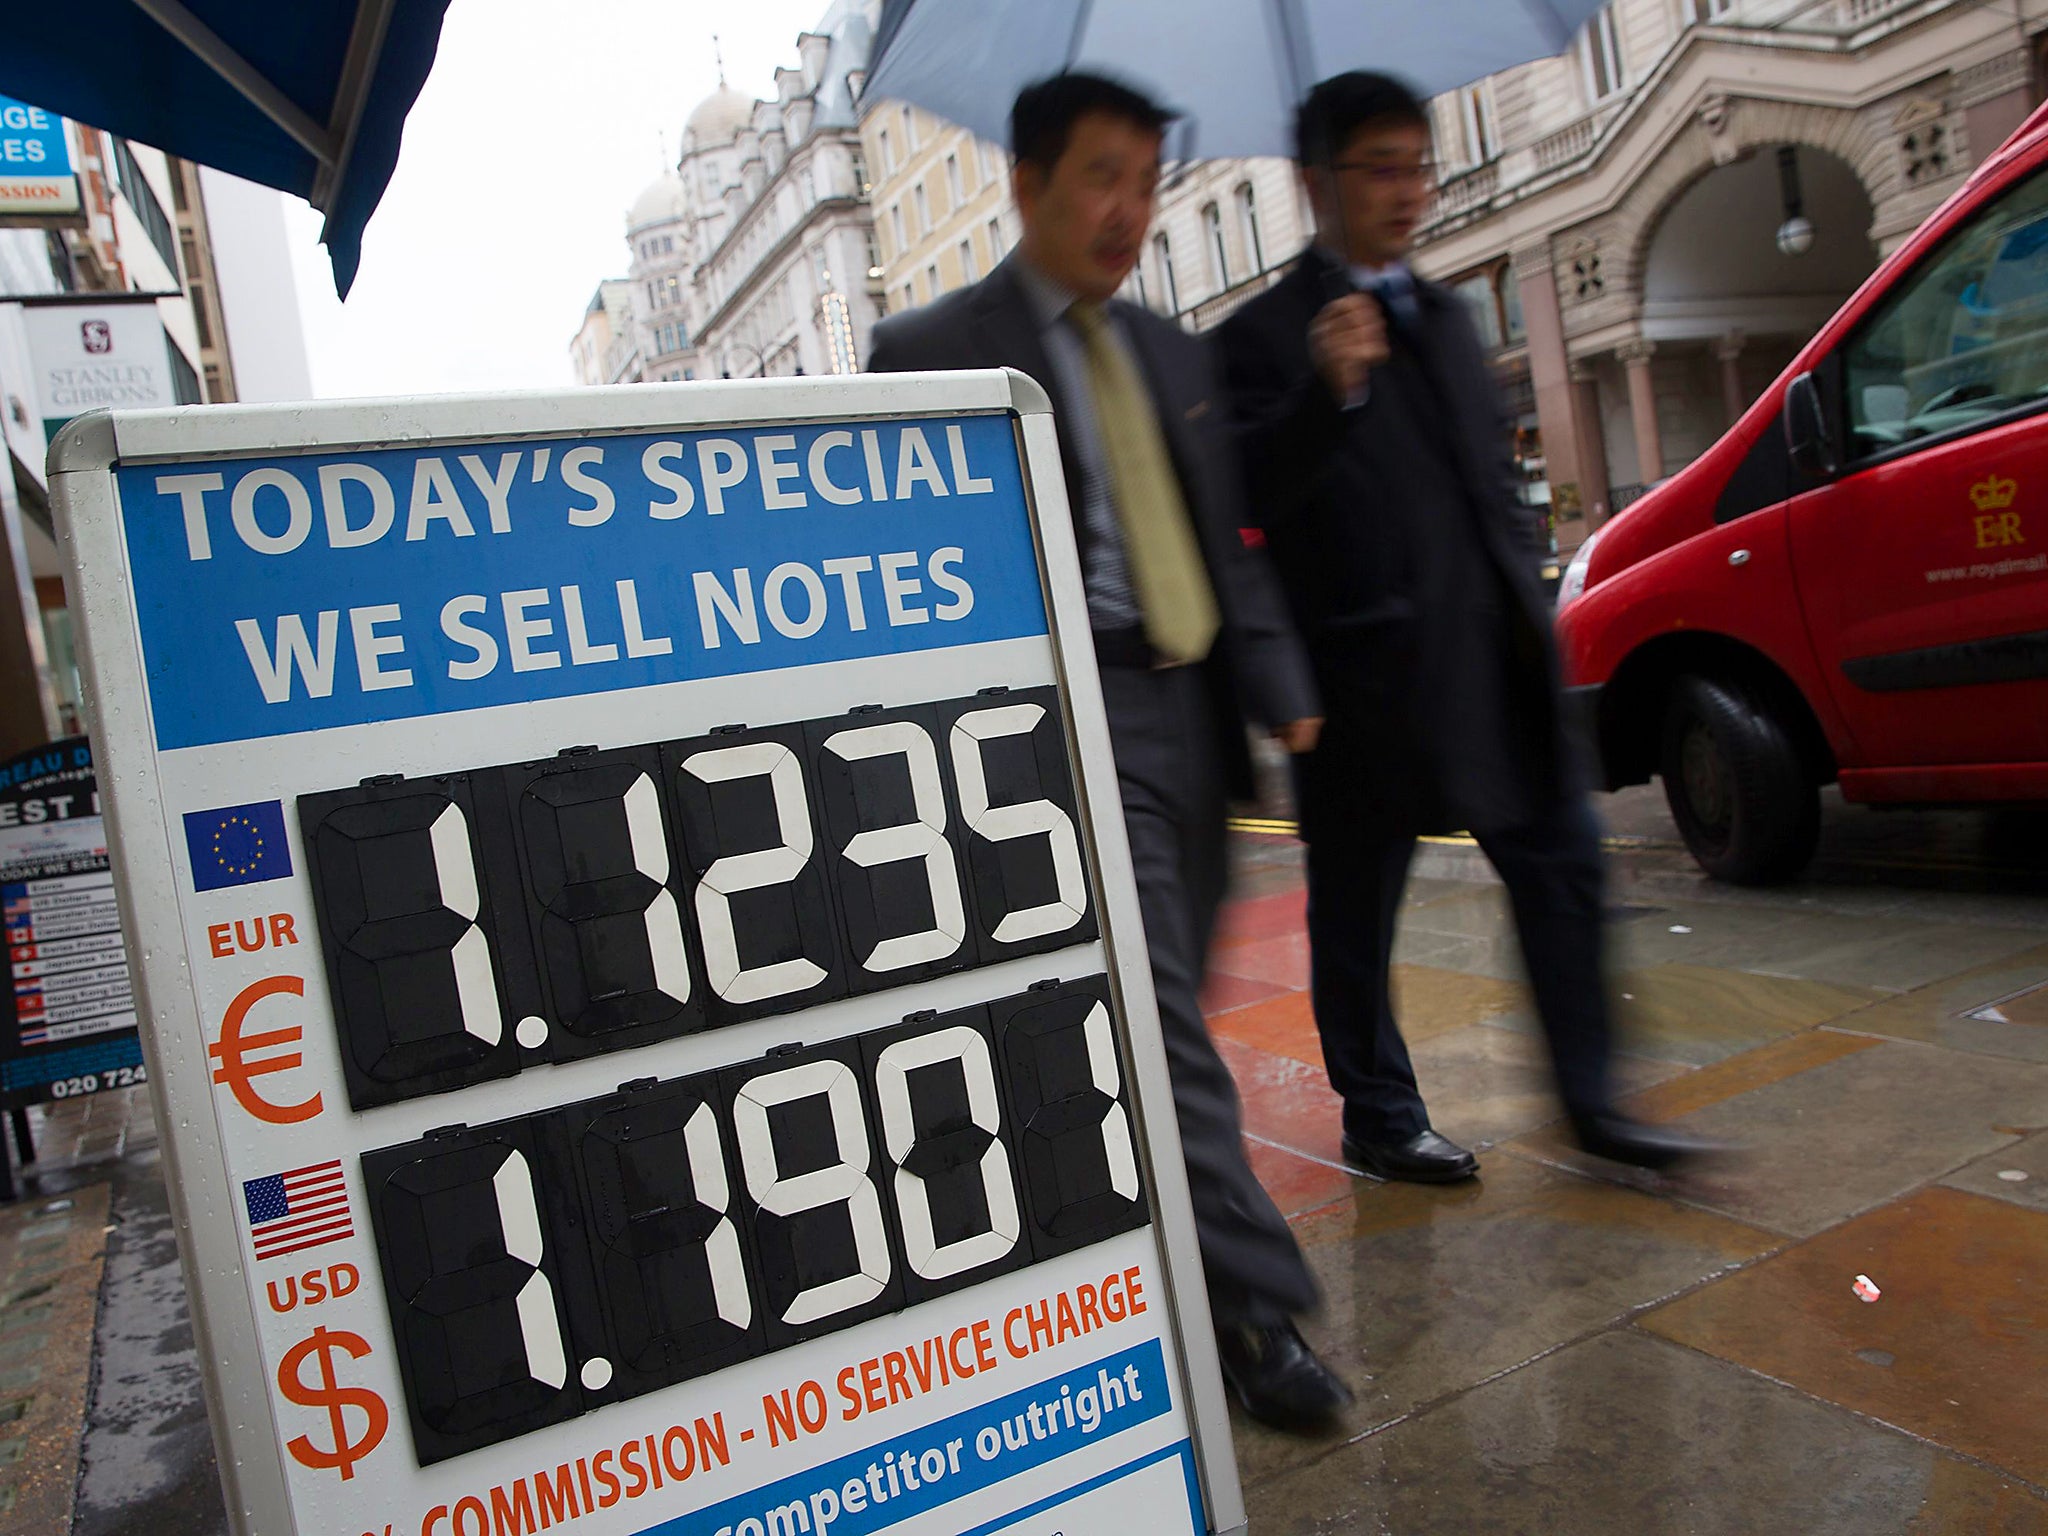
1236, 69
308, 96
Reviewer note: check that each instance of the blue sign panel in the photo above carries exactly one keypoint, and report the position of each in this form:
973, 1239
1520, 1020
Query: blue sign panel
32, 141
299, 593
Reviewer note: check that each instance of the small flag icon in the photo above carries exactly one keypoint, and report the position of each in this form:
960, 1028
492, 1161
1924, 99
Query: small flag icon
237, 845
300, 1209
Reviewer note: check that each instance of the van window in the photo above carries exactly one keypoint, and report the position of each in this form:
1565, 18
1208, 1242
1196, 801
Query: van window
1964, 338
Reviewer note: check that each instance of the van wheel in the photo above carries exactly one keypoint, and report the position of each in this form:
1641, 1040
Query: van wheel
1745, 804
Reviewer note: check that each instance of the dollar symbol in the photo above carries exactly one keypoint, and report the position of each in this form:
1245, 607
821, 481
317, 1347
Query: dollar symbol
335, 1399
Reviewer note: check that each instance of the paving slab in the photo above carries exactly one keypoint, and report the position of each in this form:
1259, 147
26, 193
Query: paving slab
1999, 1009
1845, 1134
2018, 1173
51, 1252
1627, 1434
1430, 1291
1955, 1349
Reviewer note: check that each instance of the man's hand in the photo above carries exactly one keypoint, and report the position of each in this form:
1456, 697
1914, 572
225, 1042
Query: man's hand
1347, 340
1299, 736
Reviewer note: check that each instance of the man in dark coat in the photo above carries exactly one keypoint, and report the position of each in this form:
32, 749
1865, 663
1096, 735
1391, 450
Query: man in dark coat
1191, 636
1377, 457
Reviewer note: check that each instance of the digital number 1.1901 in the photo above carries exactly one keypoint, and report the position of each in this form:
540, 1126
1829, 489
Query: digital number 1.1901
542, 1266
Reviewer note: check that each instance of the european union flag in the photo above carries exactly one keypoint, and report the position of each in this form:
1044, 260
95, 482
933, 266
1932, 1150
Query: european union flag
237, 845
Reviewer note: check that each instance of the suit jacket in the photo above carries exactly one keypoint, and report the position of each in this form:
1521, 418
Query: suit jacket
1410, 564
1257, 668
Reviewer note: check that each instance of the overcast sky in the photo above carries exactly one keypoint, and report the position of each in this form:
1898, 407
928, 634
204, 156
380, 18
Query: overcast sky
540, 123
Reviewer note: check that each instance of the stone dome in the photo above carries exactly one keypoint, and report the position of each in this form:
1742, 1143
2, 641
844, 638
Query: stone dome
660, 203
718, 118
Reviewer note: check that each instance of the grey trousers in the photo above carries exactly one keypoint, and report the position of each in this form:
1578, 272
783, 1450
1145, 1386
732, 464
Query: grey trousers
1160, 726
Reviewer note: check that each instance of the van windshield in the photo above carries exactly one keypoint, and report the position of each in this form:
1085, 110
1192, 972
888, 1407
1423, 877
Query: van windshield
1964, 337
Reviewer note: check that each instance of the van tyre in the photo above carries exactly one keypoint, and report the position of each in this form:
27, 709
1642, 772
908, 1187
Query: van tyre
1744, 802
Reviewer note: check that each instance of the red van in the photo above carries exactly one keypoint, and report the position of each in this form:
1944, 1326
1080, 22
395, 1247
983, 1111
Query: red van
1852, 585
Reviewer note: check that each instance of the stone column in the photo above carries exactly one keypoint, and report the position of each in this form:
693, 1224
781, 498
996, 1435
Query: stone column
1571, 490
1591, 445
1642, 405
1728, 351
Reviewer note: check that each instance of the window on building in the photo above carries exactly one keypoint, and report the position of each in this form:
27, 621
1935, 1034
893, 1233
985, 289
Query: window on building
991, 159
1169, 289
1600, 52
931, 281
1478, 129
908, 301
860, 174
1248, 226
967, 272
184, 377
924, 209
874, 255
202, 328
996, 249
155, 222
1138, 285
1219, 257
1704, 11
1511, 307
954, 187
668, 245
885, 153
896, 227
910, 129
1482, 302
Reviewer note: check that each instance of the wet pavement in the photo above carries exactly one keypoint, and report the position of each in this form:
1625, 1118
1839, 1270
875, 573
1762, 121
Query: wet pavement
1568, 1346
1561, 1346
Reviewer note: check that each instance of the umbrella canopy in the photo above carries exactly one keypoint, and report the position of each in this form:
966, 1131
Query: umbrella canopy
308, 96
1236, 69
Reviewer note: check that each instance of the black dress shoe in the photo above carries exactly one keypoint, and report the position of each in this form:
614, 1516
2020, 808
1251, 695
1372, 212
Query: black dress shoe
1622, 1140
1278, 1378
1424, 1159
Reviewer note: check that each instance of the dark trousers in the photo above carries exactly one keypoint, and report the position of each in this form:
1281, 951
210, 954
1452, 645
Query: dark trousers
1173, 796
1551, 867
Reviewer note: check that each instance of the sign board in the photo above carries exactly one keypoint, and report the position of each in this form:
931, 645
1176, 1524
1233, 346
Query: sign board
37, 185
96, 354
67, 1022
644, 988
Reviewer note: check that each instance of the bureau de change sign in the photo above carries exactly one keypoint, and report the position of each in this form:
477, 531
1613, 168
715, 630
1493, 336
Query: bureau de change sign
639, 964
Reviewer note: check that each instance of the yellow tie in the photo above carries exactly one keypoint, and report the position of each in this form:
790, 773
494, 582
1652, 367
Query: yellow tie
1171, 583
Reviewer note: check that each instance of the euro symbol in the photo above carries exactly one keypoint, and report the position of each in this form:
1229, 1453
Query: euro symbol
335, 1399
233, 1047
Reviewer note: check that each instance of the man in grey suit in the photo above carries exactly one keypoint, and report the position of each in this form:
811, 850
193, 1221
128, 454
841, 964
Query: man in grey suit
1191, 635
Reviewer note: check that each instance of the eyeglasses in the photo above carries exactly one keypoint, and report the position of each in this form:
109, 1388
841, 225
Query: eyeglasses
1387, 173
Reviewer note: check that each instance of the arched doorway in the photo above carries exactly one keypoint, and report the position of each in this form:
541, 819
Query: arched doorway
1724, 308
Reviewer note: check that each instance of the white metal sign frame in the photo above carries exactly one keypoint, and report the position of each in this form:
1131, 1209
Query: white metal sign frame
143, 835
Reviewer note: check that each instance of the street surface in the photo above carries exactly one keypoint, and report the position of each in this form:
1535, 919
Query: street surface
1562, 1346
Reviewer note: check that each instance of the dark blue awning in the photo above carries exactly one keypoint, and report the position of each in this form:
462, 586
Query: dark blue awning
308, 96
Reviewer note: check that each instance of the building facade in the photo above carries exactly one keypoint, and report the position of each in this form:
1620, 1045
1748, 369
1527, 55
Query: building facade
1652, 225
944, 217
755, 254
1612, 216
142, 250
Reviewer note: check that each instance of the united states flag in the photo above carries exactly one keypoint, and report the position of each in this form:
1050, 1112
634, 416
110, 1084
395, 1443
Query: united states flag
300, 1209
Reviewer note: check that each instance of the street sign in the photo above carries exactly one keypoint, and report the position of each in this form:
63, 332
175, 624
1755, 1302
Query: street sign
37, 184
645, 996
67, 1019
